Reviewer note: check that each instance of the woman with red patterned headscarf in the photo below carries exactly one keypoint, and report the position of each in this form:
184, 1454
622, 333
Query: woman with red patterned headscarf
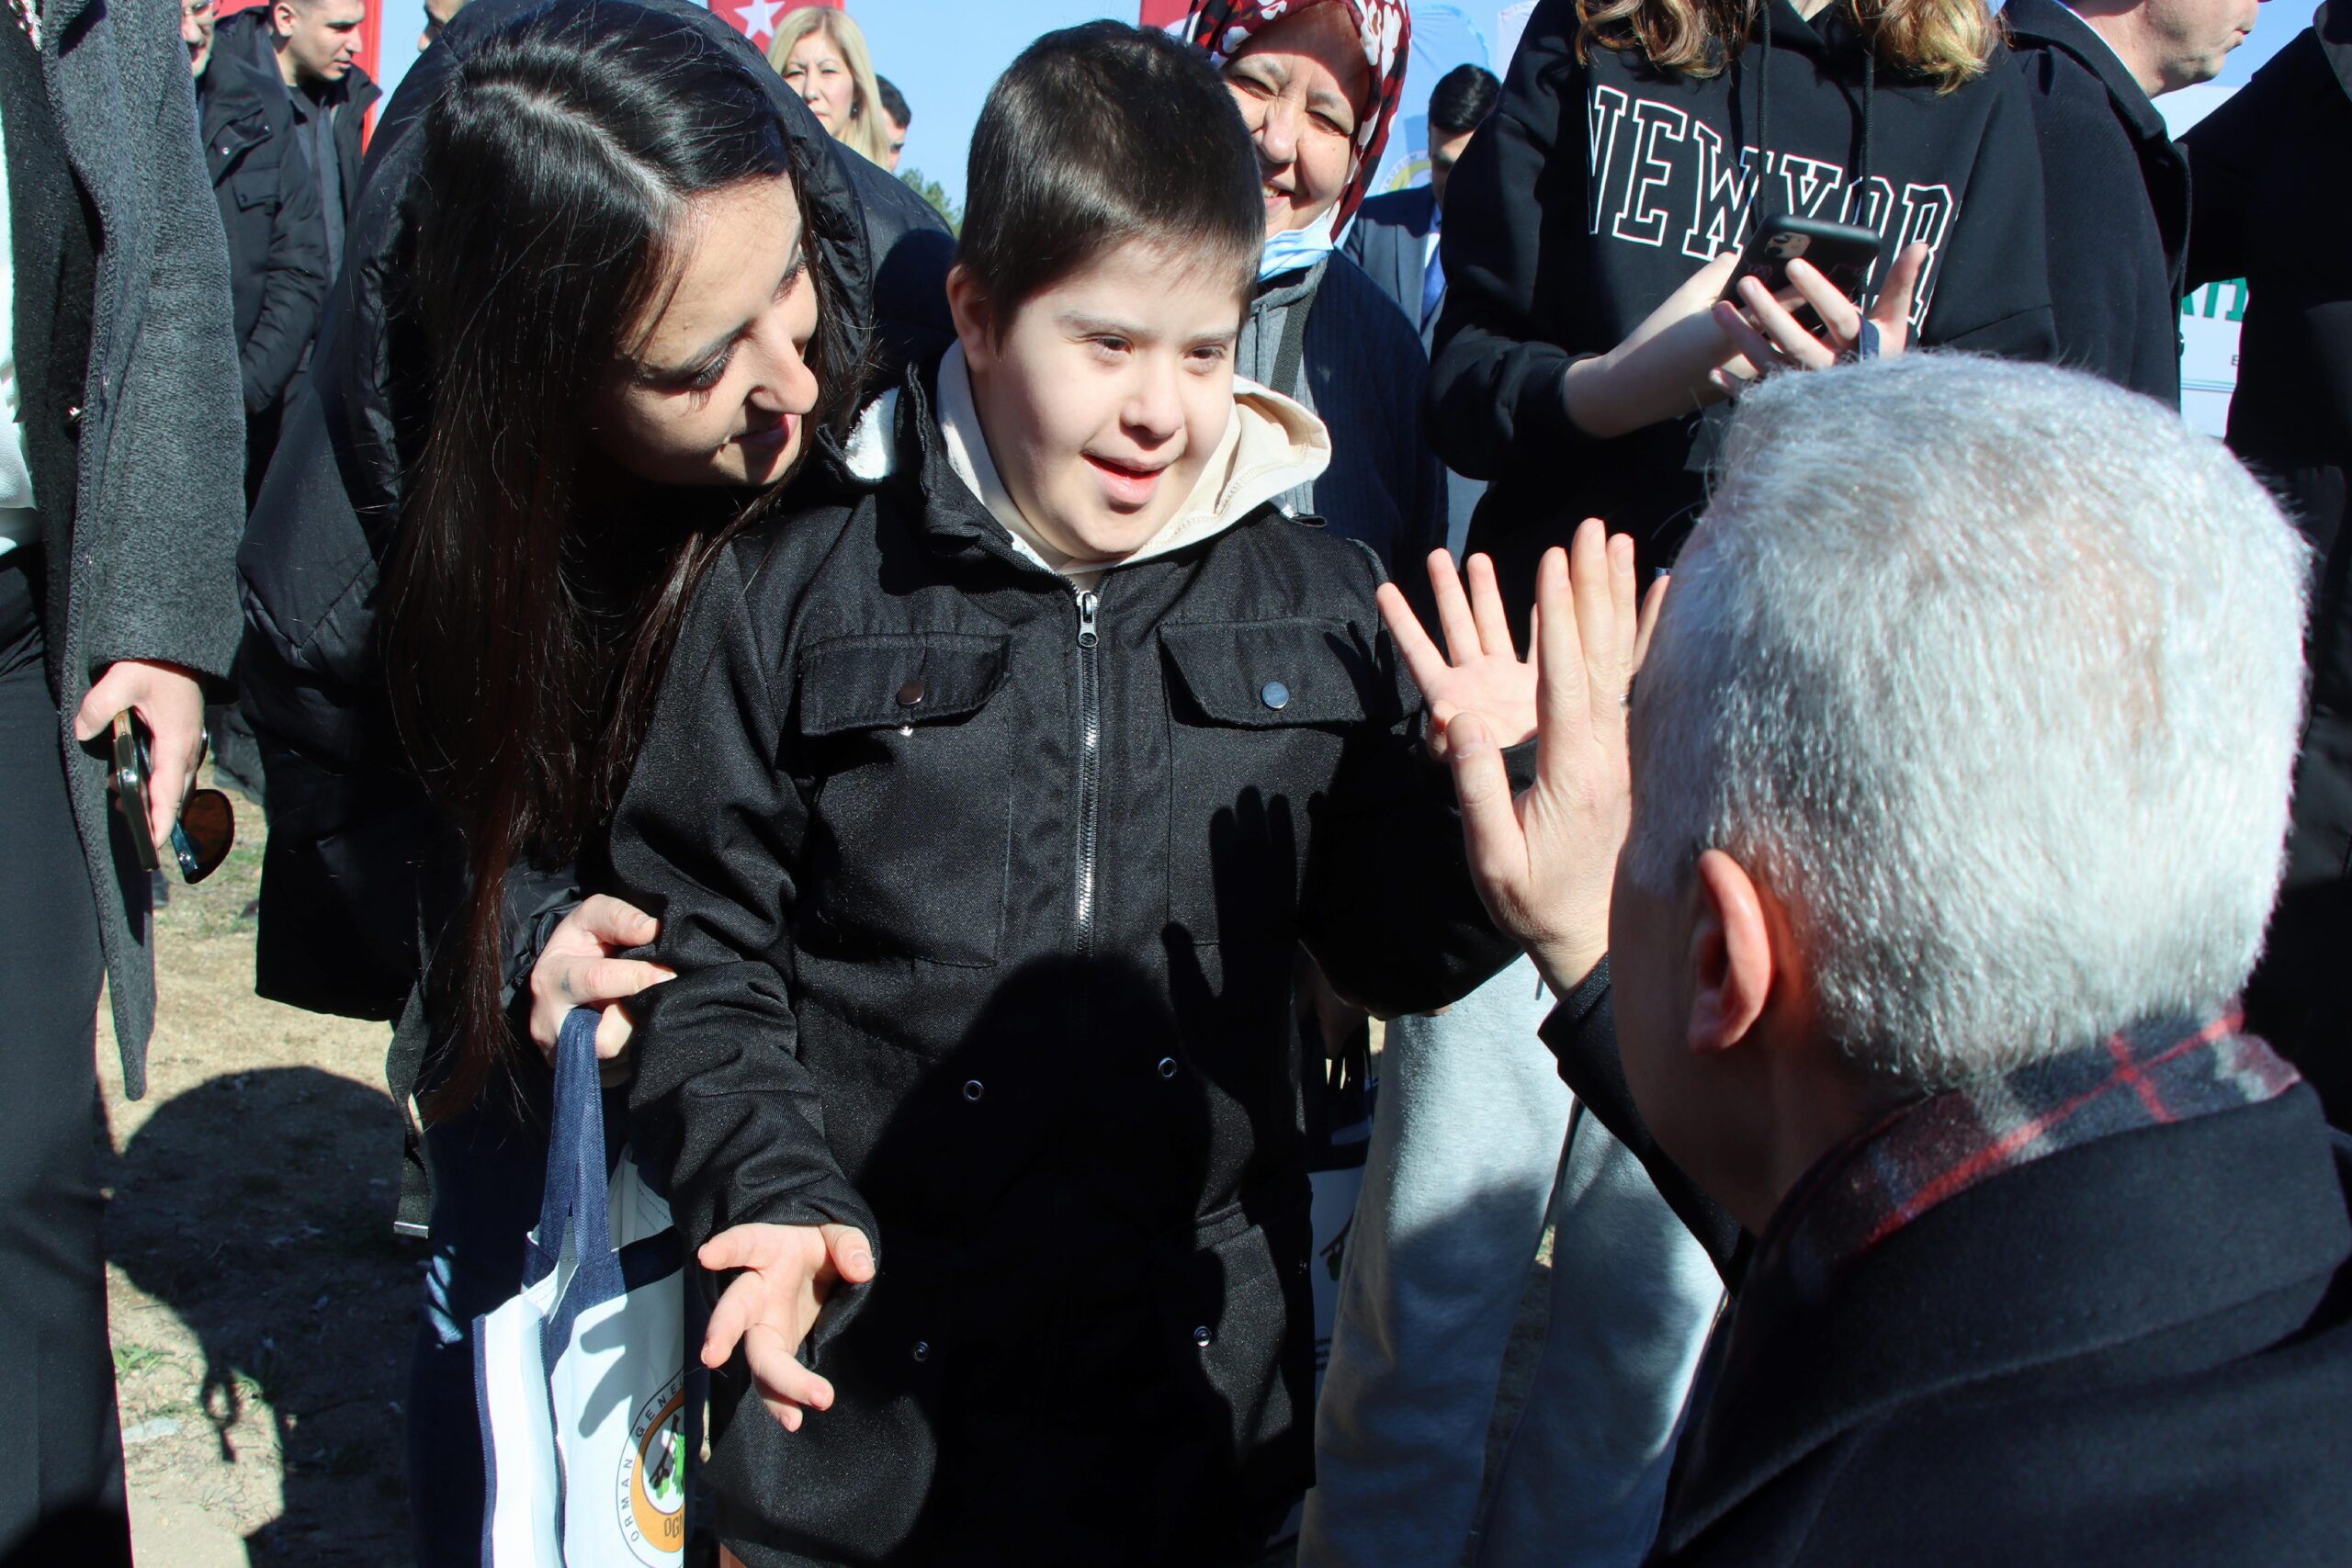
1317, 83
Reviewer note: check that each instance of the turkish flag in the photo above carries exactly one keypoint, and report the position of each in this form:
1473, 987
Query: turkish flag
1162, 13
756, 19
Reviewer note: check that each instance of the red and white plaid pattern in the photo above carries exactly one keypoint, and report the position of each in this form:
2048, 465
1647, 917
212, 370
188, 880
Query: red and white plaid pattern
1930, 1151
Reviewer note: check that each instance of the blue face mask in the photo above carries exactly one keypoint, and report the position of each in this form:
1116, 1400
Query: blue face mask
1296, 248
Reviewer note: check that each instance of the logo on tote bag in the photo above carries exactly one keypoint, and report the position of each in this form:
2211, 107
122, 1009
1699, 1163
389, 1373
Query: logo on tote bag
652, 1490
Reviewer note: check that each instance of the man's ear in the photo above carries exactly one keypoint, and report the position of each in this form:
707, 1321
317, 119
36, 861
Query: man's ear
974, 314
1731, 954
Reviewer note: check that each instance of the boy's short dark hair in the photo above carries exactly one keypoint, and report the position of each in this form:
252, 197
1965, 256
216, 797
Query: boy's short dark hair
1104, 135
1464, 96
894, 103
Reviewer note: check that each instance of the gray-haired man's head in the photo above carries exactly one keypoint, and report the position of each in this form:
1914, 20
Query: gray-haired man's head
1987, 679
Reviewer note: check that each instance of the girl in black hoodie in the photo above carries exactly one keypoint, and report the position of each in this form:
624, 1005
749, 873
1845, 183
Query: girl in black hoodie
1597, 217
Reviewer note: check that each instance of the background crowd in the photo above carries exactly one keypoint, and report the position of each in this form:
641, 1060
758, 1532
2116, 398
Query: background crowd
1911, 1006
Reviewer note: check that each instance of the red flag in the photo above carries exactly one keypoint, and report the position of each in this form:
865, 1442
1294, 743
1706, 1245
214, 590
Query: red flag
756, 19
1162, 13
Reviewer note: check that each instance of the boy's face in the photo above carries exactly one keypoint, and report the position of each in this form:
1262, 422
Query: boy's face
1103, 398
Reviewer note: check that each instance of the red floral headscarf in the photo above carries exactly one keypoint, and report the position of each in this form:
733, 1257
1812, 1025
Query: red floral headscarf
1386, 28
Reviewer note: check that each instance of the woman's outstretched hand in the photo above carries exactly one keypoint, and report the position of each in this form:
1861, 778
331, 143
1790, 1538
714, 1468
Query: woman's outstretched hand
788, 1274
1545, 861
1480, 669
577, 969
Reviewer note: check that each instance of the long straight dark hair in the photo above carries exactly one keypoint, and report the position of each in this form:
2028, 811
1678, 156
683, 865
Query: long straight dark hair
526, 627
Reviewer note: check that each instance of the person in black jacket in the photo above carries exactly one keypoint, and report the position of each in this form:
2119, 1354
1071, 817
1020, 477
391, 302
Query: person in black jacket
368, 877
983, 814
2115, 184
2046, 1260
269, 205
2269, 170
312, 47
1596, 219
1395, 240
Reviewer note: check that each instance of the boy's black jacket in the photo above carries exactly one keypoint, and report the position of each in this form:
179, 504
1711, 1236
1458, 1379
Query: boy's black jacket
1065, 1107
1600, 186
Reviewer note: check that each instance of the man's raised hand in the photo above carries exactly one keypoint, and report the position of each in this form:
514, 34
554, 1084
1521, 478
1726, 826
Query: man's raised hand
789, 1272
1545, 861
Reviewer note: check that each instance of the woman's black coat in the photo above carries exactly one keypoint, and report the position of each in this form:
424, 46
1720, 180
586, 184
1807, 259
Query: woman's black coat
360, 872
984, 895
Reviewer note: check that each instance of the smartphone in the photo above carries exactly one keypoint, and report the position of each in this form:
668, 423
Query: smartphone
130, 786
1844, 252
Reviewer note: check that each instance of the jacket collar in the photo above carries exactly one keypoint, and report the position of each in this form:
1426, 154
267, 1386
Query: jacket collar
2103, 1244
1272, 444
2052, 23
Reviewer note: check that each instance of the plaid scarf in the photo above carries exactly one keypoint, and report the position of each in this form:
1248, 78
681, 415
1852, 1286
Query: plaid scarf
2158, 1072
1385, 28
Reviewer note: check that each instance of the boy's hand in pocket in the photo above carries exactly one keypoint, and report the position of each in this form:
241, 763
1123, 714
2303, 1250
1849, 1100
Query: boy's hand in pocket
788, 1272
1479, 671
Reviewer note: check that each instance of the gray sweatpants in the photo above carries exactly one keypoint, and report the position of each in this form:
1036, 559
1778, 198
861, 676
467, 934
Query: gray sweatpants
1474, 1145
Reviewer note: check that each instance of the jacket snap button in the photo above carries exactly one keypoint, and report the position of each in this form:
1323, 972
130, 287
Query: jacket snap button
974, 1089
1167, 1067
73, 417
1202, 1338
1274, 694
922, 1350
910, 694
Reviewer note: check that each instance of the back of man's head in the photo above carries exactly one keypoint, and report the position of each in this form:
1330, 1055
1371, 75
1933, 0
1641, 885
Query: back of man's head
1993, 674
1462, 99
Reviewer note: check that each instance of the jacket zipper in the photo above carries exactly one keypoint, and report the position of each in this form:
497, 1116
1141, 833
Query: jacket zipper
1090, 761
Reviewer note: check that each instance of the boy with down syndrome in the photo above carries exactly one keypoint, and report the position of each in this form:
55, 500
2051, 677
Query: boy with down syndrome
983, 813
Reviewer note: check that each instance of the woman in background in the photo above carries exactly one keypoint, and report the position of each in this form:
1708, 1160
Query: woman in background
822, 55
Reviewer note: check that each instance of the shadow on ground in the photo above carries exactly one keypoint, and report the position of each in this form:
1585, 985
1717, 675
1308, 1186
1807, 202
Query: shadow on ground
255, 1206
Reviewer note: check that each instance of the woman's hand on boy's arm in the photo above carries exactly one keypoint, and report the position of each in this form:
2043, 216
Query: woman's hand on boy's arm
577, 969
1480, 670
788, 1273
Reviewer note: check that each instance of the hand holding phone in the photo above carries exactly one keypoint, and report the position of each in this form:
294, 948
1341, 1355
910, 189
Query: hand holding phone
1827, 326
206, 826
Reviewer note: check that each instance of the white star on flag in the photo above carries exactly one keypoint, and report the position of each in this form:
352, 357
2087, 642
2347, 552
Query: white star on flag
757, 18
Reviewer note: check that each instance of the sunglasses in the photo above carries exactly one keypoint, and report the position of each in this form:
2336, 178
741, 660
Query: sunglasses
206, 829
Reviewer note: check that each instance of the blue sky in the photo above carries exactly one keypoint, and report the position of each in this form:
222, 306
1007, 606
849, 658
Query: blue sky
945, 54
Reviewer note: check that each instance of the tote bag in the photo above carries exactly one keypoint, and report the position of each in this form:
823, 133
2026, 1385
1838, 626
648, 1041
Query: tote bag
591, 1408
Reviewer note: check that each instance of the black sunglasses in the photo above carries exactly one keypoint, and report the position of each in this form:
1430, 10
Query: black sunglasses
206, 829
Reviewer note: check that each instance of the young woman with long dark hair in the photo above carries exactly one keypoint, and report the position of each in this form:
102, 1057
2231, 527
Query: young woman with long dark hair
614, 278
623, 348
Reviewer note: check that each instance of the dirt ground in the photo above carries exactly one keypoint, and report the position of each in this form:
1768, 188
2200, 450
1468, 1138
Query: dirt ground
260, 1306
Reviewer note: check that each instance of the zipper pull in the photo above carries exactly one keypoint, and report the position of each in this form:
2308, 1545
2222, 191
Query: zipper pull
1087, 602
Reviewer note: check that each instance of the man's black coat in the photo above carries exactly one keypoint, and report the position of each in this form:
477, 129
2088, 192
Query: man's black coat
269, 205
2273, 207
984, 892
247, 33
2138, 1350
2116, 189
